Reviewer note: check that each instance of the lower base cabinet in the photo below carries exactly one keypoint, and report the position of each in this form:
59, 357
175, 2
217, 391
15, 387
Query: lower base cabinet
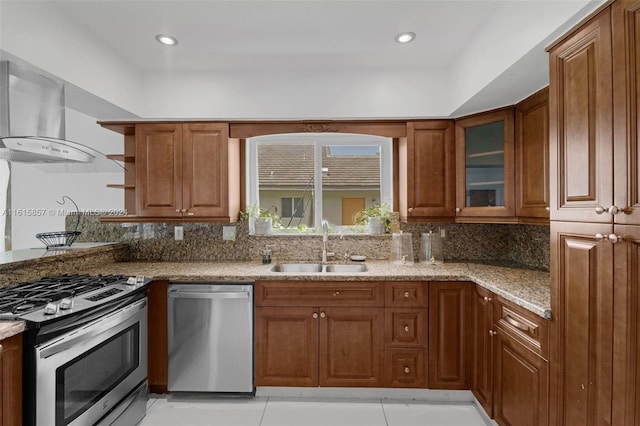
521, 386
11, 380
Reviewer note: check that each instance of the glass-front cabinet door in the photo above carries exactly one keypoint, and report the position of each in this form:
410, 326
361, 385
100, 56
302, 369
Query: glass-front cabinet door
485, 164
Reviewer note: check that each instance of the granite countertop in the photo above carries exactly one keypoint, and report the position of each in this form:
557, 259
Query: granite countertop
527, 288
10, 328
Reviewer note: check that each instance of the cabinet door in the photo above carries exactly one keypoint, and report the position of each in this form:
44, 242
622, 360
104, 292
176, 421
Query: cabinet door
450, 336
159, 170
625, 18
484, 163
532, 156
580, 120
205, 169
582, 324
286, 346
482, 376
521, 384
626, 334
352, 347
430, 170
11, 403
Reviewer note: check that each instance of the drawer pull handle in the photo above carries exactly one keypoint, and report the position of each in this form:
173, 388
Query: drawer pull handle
492, 333
315, 315
406, 294
336, 293
486, 299
516, 324
322, 315
406, 328
407, 370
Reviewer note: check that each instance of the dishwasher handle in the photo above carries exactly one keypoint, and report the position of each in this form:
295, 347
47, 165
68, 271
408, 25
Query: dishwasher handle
182, 294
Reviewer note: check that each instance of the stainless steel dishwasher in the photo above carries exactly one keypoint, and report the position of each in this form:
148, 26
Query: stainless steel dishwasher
210, 333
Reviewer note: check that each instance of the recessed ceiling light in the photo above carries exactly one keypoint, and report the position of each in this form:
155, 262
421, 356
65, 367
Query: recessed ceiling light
405, 37
166, 40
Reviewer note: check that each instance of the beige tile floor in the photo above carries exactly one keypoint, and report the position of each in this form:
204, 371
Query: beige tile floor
277, 411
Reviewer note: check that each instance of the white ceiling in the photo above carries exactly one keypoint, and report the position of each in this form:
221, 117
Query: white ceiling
289, 58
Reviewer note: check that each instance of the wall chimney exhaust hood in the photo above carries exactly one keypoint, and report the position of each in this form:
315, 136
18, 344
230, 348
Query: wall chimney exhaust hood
32, 119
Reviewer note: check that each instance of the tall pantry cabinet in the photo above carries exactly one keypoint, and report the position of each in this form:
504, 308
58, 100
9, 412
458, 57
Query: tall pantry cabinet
595, 224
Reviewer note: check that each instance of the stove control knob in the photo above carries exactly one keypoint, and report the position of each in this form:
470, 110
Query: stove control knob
132, 281
51, 309
66, 303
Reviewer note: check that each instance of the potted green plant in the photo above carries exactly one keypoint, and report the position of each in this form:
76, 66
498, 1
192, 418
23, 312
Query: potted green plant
261, 221
377, 218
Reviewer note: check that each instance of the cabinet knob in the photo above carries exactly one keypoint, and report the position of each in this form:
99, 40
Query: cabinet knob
184, 210
177, 210
458, 209
315, 315
492, 333
406, 328
599, 237
406, 370
614, 238
600, 210
486, 299
406, 294
410, 209
547, 208
614, 210
322, 315
337, 293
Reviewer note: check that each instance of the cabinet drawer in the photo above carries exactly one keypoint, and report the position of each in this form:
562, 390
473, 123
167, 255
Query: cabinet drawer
405, 327
406, 294
527, 327
406, 368
319, 293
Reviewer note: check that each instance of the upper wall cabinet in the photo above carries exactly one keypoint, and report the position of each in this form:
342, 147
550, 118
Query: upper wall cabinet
427, 171
580, 107
625, 20
485, 166
532, 157
183, 172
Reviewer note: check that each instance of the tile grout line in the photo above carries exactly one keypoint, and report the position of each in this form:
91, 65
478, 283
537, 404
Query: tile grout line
264, 410
386, 421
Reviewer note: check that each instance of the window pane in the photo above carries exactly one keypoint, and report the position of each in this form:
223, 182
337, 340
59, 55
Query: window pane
350, 181
286, 181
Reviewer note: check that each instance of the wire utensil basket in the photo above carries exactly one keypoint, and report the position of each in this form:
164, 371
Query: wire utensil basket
61, 238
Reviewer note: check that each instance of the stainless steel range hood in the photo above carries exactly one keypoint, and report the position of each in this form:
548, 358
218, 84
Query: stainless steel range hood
32, 119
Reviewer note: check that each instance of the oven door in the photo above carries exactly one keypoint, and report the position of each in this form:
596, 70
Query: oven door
84, 374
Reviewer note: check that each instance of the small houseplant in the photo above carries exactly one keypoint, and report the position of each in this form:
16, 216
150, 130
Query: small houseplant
261, 221
376, 218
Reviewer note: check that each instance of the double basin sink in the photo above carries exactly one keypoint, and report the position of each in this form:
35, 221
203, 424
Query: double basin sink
318, 267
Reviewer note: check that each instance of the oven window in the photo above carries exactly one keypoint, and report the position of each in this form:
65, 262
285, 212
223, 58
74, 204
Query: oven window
84, 380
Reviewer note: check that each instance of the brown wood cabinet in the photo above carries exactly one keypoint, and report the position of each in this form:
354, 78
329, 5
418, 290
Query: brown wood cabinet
319, 334
180, 172
450, 337
482, 364
582, 306
428, 171
406, 334
594, 152
532, 157
11, 380
485, 166
521, 386
580, 107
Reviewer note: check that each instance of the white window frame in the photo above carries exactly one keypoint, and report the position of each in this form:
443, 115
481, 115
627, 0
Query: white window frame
319, 140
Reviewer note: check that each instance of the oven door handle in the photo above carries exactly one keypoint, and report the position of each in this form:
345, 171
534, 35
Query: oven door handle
92, 330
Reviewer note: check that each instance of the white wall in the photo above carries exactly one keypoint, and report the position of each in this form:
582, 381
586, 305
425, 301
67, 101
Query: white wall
283, 94
32, 188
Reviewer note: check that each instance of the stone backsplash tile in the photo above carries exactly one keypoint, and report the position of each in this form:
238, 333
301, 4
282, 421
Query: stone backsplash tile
527, 245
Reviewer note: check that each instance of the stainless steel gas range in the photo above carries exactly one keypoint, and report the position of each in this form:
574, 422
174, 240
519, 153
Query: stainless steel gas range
85, 348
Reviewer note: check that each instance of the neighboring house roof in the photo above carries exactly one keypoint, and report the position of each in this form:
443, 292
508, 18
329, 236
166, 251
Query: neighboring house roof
291, 166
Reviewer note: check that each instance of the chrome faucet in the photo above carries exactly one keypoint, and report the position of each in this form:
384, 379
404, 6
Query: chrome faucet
325, 239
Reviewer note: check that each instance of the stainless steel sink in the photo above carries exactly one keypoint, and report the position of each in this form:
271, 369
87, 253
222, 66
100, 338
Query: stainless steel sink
317, 267
297, 267
348, 268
